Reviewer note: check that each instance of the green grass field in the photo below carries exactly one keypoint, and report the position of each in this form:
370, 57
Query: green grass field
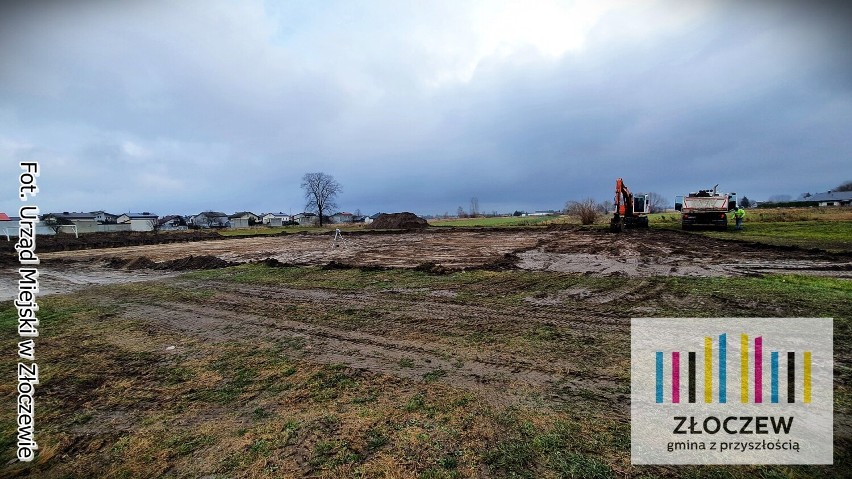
498, 221
828, 229
257, 406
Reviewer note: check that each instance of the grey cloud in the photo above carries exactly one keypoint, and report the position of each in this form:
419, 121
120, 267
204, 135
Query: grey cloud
231, 104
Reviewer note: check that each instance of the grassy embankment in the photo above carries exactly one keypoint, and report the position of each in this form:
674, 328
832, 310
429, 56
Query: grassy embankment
499, 221
828, 229
243, 408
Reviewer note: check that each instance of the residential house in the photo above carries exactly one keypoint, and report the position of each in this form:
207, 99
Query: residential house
172, 223
304, 219
372, 218
342, 217
242, 219
276, 219
82, 222
831, 198
209, 219
144, 221
105, 218
9, 227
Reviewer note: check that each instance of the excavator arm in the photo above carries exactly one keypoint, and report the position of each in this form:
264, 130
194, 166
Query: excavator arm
623, 198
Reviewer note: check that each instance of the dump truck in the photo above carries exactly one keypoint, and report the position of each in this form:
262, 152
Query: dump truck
706, 208
631, 211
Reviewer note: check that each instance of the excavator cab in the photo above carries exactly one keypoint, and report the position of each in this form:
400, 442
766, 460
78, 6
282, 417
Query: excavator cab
640, 204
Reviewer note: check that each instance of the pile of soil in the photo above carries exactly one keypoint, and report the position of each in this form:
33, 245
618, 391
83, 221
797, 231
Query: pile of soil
398, 221
504, 263
189, 262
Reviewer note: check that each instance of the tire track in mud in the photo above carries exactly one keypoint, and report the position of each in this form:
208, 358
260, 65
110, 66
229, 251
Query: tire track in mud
444, 309
357, 350
500, 376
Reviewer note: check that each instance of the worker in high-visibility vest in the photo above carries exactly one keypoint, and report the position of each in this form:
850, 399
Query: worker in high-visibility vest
739, 214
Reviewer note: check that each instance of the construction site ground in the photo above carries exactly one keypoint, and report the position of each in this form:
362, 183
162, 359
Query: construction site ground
442, 353
585, 251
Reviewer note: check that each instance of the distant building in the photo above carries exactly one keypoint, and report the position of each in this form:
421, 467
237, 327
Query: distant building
541, 213
371, 218
172, 223
276, 219
242, 219
209, 219
84, 222
104, 217
830, 198
342, 217
144, 221
304, 219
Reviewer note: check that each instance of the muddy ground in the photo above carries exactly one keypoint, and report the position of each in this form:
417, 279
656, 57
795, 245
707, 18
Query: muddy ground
590, 252
369, 349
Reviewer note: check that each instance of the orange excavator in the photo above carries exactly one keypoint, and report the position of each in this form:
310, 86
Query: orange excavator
630, 211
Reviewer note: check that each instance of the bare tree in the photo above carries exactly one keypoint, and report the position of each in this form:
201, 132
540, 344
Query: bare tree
320, 192
847, 186
460, 213
474, 207
657, 203
779, 198
587, 210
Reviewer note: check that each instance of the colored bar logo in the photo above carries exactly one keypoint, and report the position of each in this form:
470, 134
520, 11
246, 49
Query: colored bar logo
751, 372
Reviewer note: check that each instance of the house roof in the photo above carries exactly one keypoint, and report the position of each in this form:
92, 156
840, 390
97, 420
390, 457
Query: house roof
73, 215
4, 217
102, 211
211, 214
166, 219
376, 215
830, 196
343, 214
140, 216
277, 215
242, 213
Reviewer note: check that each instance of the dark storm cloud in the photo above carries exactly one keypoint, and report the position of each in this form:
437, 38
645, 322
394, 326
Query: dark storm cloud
178, 108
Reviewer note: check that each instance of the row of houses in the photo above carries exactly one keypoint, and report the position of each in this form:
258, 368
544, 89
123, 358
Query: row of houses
103, 222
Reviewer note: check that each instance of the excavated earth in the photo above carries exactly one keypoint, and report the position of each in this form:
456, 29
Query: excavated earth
584, 251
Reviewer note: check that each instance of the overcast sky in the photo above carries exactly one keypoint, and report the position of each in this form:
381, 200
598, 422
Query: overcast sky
179, 107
